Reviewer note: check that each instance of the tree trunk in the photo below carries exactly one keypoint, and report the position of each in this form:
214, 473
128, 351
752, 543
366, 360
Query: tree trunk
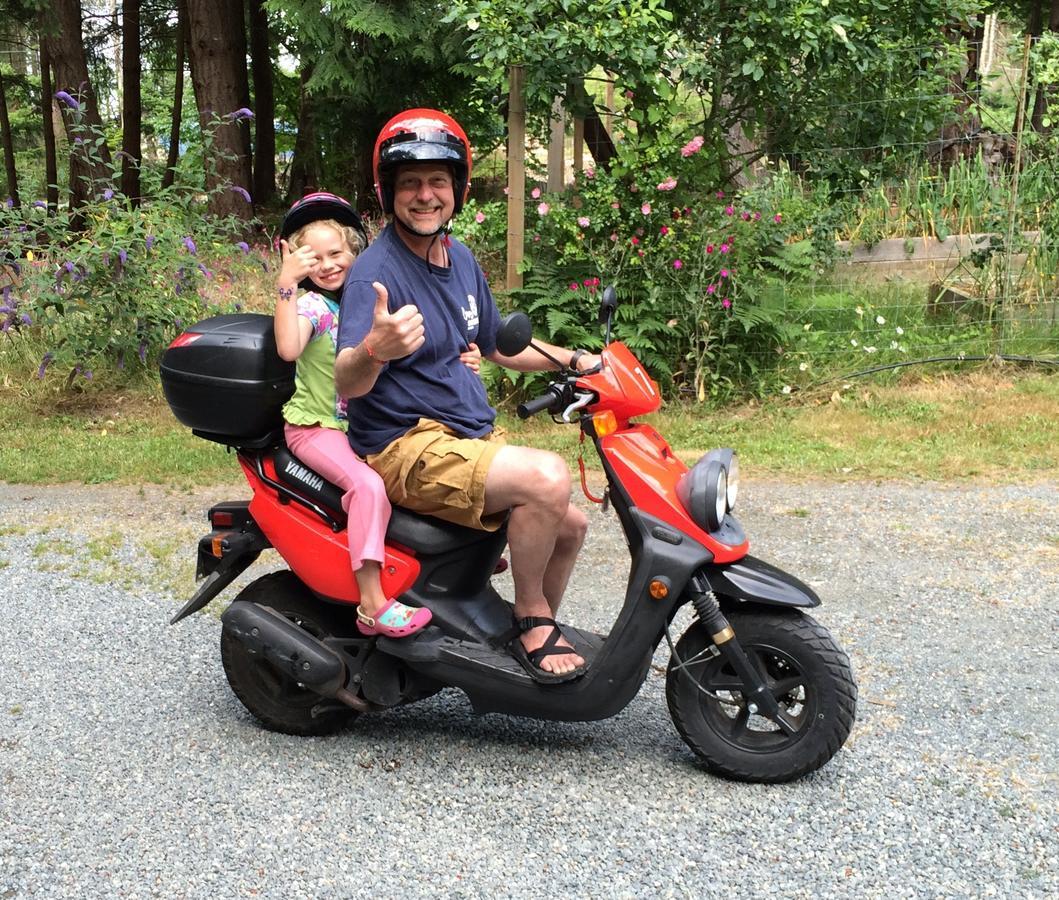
264, 105
89, 164
9, 147
217, 51
305, 163
178, 96
131, 109
51, 169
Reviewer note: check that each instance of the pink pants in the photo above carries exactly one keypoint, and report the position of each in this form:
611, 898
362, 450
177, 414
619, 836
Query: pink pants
327, 451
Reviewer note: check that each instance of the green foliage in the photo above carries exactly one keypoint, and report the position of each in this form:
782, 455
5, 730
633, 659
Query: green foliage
110, 284
690, 271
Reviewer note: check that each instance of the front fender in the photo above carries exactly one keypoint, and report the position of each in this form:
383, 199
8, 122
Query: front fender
754, 580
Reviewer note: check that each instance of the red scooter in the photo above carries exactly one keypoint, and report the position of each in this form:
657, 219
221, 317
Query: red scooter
755, 686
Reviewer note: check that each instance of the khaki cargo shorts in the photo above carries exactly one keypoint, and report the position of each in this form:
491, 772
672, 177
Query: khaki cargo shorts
432, 470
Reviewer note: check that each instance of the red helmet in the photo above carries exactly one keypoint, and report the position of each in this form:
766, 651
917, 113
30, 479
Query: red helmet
421, 135
321, 205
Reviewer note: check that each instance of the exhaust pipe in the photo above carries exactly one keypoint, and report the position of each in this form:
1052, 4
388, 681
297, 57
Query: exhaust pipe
266, 633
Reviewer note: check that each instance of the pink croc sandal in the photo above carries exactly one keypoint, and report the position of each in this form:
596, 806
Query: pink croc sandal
394, 620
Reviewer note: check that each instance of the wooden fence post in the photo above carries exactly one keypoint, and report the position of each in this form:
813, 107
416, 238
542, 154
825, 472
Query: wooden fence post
516, 176
557, 149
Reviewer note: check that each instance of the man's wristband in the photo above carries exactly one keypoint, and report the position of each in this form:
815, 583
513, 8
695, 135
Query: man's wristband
371, 353
577, 355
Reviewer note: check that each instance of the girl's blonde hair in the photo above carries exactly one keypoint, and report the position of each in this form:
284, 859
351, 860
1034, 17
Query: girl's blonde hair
352, 237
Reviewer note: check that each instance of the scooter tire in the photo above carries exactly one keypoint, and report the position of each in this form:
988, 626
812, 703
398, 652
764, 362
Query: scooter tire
812, 681
276, 700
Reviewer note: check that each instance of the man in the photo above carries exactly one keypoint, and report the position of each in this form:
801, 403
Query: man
414, 301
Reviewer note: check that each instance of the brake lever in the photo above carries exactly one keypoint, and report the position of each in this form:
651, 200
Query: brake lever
580, 403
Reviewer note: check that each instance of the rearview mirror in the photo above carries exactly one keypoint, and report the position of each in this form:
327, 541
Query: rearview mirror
514, 334
608, 304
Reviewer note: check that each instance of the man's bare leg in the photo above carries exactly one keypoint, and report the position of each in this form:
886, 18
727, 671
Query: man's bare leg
544, 534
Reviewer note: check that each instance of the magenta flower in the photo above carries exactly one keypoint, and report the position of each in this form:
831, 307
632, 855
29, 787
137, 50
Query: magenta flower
590, 173
646, 209
692, 147
678, 264
668, 184
745, 215
629, 95
724, 248
573, 285
726, 303
664, 230
720, 195
479, 217
777, 218
724, 273
729, 210
757, 216
634, 241
711, 288
709, 248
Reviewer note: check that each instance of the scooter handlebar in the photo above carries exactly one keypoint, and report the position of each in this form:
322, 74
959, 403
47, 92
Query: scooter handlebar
550, 400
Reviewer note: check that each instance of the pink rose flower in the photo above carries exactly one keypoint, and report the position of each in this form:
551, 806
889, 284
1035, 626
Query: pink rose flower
584, 221
692, 147
646, 209
535, 193
668, 184
479, 217
543, 209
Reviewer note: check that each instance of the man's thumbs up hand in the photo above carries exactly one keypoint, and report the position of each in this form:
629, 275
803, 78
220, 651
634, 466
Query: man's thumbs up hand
393, 335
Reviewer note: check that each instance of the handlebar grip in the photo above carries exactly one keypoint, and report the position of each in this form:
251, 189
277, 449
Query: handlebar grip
537, 404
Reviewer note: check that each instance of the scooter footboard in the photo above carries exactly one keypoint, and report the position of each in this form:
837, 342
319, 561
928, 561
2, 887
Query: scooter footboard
754, 580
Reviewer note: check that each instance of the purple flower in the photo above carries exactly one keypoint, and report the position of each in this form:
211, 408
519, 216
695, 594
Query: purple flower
44, 363
122, 256
243, 245
39, 204
121, 361
67, 99
88, 374
25, 319
9, 203
108, 194
142, 351
240, 114
189, 245
149, 242
242, 192
69, 266
205, 271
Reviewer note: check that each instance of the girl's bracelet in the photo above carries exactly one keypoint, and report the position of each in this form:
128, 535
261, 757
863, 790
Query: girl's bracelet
285, 294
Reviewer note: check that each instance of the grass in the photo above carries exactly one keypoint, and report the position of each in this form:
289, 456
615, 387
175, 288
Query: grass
996, 424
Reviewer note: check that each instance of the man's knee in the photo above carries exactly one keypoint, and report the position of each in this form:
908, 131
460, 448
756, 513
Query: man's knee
574, 526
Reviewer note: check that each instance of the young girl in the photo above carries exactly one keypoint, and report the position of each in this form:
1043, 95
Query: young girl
320, 237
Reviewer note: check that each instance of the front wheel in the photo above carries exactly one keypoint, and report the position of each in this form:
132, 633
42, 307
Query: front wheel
806, 671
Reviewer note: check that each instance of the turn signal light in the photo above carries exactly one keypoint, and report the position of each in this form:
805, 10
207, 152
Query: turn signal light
217, 544
604, 423
659, 589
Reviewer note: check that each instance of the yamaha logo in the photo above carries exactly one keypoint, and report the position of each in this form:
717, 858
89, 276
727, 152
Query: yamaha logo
304, 475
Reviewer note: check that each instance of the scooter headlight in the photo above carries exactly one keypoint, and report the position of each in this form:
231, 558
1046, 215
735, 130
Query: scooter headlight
733, 481
709, 489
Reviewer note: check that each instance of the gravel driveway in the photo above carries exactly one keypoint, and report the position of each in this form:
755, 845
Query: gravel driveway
128, 768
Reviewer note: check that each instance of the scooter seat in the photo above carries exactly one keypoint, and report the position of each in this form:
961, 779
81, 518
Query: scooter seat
409, 529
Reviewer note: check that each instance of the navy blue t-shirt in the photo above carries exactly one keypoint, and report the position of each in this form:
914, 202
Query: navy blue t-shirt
457, 308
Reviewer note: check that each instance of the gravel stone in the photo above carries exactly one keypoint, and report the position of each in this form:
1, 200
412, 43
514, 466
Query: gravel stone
128, 768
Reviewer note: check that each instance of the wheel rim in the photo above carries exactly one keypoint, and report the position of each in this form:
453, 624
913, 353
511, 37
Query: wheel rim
724, 704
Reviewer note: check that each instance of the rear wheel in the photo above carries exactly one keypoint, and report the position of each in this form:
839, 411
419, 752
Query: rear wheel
271, 695
807, 672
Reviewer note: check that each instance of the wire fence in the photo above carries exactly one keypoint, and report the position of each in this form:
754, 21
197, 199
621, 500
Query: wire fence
944, 248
